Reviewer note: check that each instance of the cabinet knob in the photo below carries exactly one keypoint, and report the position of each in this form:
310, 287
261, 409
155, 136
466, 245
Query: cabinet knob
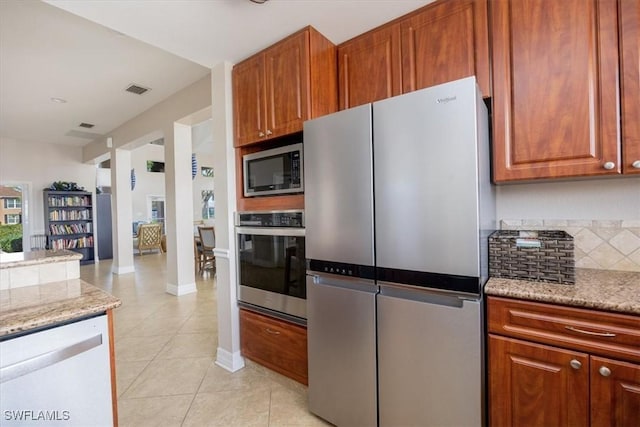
604, 371
609, 165
261, 134
575, 364
636, 164
269, 132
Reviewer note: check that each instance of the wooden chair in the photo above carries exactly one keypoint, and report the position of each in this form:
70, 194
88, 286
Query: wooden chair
149, 237
207, 245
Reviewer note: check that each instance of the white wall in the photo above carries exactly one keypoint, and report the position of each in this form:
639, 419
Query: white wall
40, 165
597, 199
147, 183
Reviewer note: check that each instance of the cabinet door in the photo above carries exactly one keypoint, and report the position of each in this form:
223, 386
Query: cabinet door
287, 83
276, 344
444, 42
615, 393
536, 385
630, 64
369, 67
555, 88
249, 101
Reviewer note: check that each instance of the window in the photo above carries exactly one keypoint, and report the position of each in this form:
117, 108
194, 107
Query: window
208, 205
12, 203
12, 219
207, 171
153, 166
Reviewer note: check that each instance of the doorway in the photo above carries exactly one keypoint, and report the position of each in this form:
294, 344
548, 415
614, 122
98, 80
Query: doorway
155, 210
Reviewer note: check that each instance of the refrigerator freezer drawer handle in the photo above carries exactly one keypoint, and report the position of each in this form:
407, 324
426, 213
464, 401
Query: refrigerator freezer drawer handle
24, 367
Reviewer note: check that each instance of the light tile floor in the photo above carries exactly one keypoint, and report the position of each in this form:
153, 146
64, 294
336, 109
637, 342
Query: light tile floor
165, 350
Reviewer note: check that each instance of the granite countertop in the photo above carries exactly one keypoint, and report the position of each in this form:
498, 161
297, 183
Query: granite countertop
617, 291
20, 259
30, 307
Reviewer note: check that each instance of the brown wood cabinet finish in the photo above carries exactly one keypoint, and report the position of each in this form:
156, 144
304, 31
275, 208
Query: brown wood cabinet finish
279, 88
445, 41
274, 343
369, 67
555, 88
630, 78
534, 383
615, 393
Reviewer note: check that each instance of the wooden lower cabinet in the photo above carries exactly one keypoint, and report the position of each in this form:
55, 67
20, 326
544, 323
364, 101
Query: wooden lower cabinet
575, 382
274, 343
536, 385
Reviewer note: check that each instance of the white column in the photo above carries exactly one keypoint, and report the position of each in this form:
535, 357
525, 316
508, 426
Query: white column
179, 211
121, 217
228, 353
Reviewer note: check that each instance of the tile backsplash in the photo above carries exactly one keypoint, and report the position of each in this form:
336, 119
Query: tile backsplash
607, 245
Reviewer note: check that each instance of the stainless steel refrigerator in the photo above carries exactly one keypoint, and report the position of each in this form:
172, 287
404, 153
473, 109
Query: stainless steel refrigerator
399, 206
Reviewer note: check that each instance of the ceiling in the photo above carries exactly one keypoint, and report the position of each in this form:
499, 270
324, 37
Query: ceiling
56, 49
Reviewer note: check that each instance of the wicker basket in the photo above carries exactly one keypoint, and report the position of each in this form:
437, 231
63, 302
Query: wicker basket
543, 256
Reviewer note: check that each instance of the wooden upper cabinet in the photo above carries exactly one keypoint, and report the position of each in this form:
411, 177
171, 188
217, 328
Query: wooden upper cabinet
555, 88
369, 67
248, 100
287, 82
446, 41
630, 77
276, 90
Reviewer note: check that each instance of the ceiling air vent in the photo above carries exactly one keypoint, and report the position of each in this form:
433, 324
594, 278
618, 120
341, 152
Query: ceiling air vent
86, 125
137, 89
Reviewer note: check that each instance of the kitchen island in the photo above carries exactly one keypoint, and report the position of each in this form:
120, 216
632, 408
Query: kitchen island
56, 343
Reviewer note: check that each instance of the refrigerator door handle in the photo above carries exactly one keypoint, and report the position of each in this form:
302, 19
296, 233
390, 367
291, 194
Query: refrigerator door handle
356, 283
427, 295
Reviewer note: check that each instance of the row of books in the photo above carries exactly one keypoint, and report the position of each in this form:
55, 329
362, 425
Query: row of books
60, 229
81, 242
69, 201
70, 215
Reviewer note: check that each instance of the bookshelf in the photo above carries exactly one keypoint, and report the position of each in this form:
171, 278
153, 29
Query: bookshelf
68, 222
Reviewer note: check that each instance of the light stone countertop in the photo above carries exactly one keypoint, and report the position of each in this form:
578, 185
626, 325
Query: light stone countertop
21, 259
30, 307
617, 291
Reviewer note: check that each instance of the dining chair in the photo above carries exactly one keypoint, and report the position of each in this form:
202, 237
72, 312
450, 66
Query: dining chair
207, 245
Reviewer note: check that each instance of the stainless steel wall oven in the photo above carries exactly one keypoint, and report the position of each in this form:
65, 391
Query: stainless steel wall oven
271, 261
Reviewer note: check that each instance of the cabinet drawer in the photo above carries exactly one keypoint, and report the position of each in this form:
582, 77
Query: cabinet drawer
276, 344
596, 332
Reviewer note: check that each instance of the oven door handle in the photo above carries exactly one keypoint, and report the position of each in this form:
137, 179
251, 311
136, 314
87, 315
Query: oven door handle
271, 231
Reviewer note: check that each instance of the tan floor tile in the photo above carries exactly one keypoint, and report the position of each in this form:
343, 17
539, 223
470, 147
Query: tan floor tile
200, 324
230, 409
139, 348
153, 411
289, 408
158, 326
126, 373
190, 345
219, 379
169, 377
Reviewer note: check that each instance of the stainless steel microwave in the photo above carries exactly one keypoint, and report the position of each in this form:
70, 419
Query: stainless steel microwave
275, 171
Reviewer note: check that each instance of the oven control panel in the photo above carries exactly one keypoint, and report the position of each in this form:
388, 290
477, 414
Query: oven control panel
294, 219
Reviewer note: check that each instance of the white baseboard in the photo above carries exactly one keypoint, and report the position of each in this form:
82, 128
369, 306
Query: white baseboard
229, 361
123, 270
221, 253
182, 289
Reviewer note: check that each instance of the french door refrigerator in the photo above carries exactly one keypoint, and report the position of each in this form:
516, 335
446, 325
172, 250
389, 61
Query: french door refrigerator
419, 317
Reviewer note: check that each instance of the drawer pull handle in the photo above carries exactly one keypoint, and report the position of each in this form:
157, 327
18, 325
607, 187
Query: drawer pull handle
575, 364
604, 371
272, 332
597, 334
